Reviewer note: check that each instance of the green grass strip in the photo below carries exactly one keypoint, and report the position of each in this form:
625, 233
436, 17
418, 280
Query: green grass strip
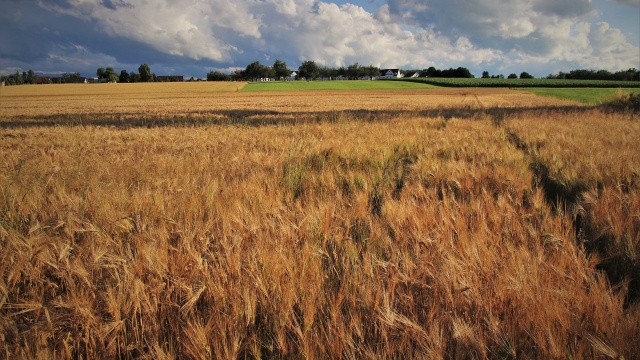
593, 96
523, 83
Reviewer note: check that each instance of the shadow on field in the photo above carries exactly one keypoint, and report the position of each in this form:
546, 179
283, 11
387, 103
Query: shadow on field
568, 197
257, 117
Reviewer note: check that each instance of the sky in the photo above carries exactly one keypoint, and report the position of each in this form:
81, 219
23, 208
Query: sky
193, 37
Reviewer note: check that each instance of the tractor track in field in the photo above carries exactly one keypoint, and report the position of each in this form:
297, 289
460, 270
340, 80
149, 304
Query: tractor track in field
568, 198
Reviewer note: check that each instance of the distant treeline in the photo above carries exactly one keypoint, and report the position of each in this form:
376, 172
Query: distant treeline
308, 70
108, 74
626, 75
27, 77
460, 72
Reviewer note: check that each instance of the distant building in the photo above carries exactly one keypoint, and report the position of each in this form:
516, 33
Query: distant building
390, 74
43, 80
77, 80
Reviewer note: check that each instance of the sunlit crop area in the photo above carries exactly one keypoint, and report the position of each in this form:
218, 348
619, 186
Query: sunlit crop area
333, 224
119, 104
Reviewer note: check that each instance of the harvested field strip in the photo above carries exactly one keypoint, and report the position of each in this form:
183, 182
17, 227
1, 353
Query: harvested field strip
38, 102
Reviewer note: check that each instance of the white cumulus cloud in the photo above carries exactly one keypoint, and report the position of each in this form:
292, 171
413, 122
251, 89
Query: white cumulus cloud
480, 34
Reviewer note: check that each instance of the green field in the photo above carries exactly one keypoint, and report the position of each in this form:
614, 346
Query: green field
584, 91
333, 85
523, 83
584, 95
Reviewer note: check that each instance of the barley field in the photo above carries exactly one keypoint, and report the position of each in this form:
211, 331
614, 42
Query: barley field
168, 221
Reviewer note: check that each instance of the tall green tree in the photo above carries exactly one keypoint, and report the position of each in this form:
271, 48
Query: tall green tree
280, 69
30, 78
309, 70
252, 71
134, 77
124, 77
218, 76
525, 75
108, 74
145, 73
255, 70
238, 75
372, 71
354, 71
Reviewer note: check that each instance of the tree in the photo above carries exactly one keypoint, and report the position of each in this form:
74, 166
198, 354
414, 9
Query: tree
353, 71
145, 73
281, 70
372, 71
30, 78
134, 77
309, 70
17, 79
341, 71
124, 76
238, 75
460, 72
218, 76
255, 70
268, 72
525, 75
512, 76
107, 74
111, 75
485, 75
432, 72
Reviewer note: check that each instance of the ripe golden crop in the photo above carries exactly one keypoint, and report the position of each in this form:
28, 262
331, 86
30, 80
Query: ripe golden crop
357, 224
93, 102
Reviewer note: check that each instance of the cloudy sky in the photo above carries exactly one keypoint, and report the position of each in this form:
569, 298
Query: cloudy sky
193, 37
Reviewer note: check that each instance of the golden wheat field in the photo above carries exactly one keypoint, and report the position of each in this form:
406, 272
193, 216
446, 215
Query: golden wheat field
118, 104
168, 221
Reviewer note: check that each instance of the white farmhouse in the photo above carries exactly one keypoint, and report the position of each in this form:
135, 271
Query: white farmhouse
390, 74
